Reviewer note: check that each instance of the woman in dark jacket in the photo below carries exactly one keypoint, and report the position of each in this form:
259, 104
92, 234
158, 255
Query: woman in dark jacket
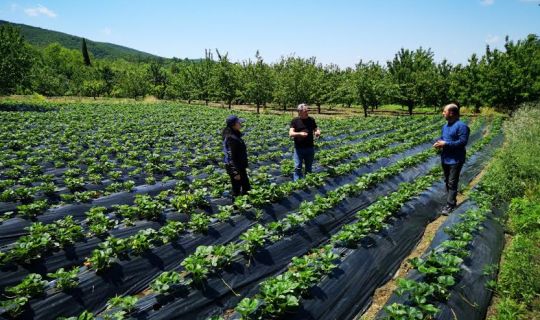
236, 160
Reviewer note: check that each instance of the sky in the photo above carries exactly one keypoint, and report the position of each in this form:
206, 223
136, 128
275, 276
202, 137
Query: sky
339, 31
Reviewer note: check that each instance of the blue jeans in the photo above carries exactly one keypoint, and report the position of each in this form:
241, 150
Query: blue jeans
306, 156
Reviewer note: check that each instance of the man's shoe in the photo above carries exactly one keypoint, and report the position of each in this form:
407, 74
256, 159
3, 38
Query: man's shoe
447, 209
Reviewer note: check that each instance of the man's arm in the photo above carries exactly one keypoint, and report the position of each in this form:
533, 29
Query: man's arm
293, 134
316, 131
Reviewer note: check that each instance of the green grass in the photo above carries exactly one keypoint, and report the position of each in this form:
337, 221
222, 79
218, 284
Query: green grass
514, 177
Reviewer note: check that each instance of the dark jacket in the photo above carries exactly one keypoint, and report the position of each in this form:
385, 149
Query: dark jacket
234, 148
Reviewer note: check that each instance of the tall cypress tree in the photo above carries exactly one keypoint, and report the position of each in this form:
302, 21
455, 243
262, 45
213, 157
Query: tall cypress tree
86, 57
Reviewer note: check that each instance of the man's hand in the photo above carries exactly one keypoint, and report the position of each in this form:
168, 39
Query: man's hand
302, 134
237, 177
317, 133
439, 144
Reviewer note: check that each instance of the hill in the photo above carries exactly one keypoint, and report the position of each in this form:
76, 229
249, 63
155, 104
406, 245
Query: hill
43, 37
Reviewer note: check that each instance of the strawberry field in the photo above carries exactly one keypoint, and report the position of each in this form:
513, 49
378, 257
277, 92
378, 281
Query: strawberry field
118, 211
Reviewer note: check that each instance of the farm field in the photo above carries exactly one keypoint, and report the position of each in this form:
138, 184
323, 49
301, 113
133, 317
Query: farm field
119, 211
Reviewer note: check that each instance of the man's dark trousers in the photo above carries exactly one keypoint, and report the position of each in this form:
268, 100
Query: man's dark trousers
451, 178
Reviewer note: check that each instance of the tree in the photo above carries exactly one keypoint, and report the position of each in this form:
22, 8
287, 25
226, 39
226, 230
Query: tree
321, 80
200, 76
346, 91
512, 76
295, 81
466, 85
259, 82
441, 85
59, 71
226, 80
412, 72
133, 82
371, 85
16, 60
108, 76
86, 56
159, 79
93, 88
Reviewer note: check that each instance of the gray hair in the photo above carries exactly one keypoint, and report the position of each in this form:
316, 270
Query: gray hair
302, 107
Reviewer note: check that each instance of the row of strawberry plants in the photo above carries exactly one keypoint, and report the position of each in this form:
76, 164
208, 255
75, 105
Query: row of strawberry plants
76, 184
217, 255
274, 192
201, 222
128, 212
208, 260
32, 246
439, 268
281, 293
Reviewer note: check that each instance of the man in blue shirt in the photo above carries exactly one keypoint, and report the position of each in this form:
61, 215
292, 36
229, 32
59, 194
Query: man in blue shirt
455, 135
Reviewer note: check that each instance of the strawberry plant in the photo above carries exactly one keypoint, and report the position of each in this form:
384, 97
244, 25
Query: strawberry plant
100, 260
31, 286
65, 279
199, 222
253, 238
124, 304
142, 241
33, 209
171, 231
99, 223
247, 307
148, 207
165, 281
66, 231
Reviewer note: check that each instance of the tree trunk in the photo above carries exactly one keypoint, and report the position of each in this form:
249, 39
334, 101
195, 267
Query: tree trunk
365, 111
410, 109
206, 102
319, 108
258, 107
230, 102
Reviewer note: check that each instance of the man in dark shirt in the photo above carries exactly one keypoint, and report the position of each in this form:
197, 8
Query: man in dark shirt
303, 129
454, 138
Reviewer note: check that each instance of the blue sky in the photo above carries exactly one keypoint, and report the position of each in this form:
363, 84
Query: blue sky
338, 31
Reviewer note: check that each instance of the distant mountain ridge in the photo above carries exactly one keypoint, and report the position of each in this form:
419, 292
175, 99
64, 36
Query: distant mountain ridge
43, 37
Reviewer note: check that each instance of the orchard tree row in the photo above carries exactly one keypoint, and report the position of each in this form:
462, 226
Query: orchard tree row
499, 78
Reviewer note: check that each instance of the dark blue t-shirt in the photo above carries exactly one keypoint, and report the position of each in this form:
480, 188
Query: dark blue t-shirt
456, 136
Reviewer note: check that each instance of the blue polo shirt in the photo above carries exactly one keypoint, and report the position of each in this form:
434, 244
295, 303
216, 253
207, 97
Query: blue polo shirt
456, 136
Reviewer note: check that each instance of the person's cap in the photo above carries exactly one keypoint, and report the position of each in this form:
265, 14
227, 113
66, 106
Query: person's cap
232, 119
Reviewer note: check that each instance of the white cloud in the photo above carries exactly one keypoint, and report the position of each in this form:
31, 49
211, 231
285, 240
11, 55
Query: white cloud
491, 39
106, 31
487, 2
13, 7
40, 10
